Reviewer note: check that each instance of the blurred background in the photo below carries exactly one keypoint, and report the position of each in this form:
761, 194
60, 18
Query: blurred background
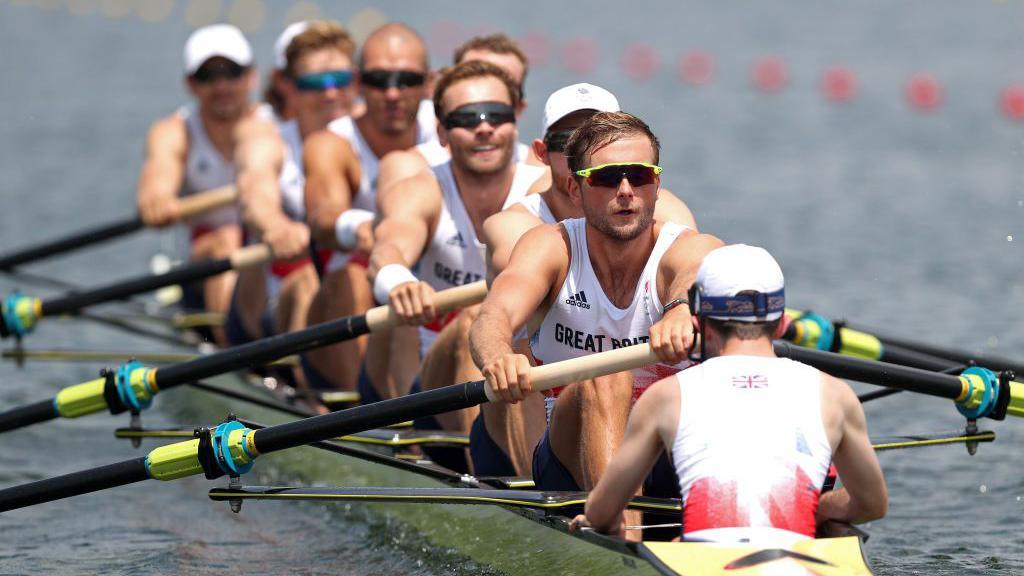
875, 148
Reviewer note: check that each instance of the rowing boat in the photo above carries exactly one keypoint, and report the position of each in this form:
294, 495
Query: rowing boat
500, 524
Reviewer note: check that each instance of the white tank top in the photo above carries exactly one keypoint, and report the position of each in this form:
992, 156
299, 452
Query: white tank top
292, 179
454, 255
751, 450
205, 169
582, 320
369, 165
292, 182
537, 206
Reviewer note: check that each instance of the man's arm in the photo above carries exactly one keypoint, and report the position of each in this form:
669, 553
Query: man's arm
163, 171
648, 431
501, 231
408, 212
672, 336
670, 208
863, 497
259, 156
519, 291
328, 162
399, 165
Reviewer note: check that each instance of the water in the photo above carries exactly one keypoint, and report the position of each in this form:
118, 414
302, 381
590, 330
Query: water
893, 218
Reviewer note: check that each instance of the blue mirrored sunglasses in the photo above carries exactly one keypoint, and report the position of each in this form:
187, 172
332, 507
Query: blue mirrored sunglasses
324, 80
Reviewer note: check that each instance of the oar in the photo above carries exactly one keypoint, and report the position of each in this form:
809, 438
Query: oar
190, 206
815, 331
21, 313
231, 447
978, 392
133, 386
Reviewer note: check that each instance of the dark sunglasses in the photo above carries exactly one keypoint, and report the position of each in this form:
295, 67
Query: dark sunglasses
556, 141
384, 79
472, 115
611, 175
208, 73
324, 80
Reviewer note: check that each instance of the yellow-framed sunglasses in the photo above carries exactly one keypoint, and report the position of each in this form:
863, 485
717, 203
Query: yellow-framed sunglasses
610, 175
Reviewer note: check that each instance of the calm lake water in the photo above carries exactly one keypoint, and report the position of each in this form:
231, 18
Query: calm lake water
887, 215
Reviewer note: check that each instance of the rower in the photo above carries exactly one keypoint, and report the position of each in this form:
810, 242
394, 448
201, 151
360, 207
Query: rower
498, 49
341, 187
319, 63
432, 221
751, 435
193, 149
611, 279
504, 436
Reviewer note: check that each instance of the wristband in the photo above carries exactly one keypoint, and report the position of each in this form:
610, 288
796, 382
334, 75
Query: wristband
347, 223
673, 303
387, 278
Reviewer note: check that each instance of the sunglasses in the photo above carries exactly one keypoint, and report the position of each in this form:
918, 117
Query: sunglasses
209, 73
324, 80
611, 175
384, 79
556, 141
472, 115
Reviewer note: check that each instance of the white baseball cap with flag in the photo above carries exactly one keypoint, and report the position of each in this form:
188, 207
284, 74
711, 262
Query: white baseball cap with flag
222, 40
282, 42
565, 101
742, 283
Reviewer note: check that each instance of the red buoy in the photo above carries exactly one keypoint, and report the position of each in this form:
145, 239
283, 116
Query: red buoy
696, 67
1012, 102
839, 84
770, 74
537, 47
580, 55
640, 61
924, 92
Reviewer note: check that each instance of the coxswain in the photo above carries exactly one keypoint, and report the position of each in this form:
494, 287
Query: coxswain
750, 435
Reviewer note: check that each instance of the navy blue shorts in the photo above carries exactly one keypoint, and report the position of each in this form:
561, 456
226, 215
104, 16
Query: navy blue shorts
548, 471
488, 458
234, 329
314, 377
550, 474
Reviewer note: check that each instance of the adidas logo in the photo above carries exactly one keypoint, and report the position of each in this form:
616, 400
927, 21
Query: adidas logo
456, 240
579, 300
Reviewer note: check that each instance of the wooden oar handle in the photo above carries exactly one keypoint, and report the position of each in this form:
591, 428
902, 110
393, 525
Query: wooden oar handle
548, 376
250, 256
207, 200
382, 317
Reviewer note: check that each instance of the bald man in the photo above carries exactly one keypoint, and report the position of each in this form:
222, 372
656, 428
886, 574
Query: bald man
503, 52
341, 186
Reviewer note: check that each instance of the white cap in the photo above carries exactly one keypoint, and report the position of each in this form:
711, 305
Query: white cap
222, 40
565, 101
282, 42
729, 270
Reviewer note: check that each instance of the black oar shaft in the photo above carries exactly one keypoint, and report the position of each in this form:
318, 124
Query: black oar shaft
50, 489
370, 416
881, 374
125, 288
987, 360
28, 415
72, 242
260, 352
